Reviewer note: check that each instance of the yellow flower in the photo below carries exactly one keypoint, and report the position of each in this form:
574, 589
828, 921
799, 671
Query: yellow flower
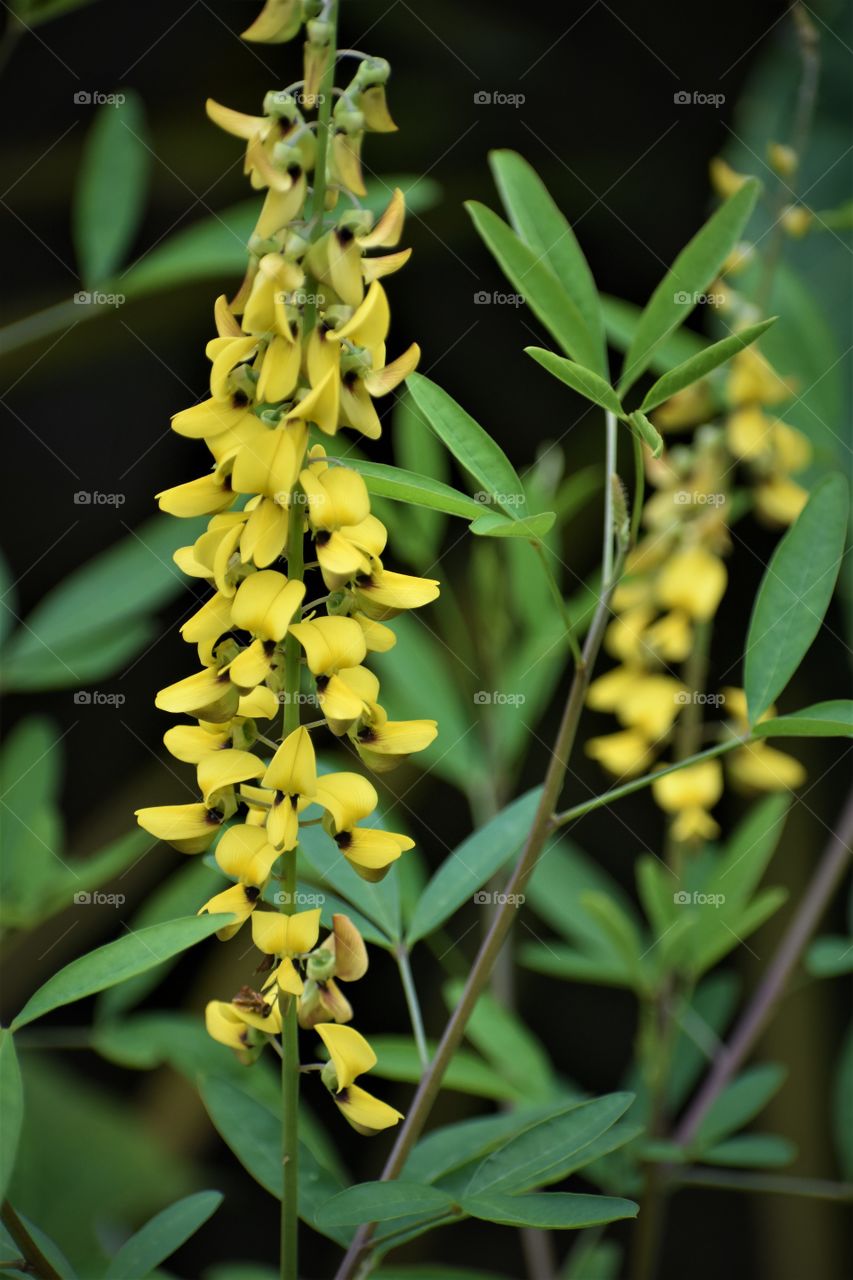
383, 594
243, 1024
349, 1057
779, 501
219, 771
694, 581
626, 754
753, 380
204, 496
689, 794
334, 647
292, 776
651, 704
759, 767
671, 637
337, 497
189, 828
265, 605
285, 936
724, 179
348, 798
383, 744
207, 695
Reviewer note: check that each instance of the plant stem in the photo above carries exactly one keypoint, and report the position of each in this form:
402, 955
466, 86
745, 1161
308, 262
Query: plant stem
412, 1002
37, 1263
763, 1183
502, 922
639, 488
609, 473
562, 607
755, 1017
290, 1029
318, 198
638, 784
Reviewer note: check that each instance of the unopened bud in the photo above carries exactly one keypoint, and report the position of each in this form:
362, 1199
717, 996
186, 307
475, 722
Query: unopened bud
783, 159
621, 511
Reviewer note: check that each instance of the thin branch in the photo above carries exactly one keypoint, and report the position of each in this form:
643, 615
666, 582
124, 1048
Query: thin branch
412, 1002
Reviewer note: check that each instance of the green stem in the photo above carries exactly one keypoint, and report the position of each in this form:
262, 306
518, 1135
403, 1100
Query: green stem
412, 1002
318, 199
763, 1183
638, 784
290, 1029
609, 473
557, 595
37, 1263
639, 488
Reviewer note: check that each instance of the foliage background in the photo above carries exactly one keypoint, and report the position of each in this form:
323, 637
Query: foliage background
89, 406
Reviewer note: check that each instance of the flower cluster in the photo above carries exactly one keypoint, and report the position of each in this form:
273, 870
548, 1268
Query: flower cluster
300, 350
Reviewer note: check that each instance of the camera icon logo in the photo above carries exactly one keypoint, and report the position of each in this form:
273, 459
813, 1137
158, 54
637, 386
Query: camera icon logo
482, 297
82, 898
482, 97
482, 897
481, 697
682, 299
82, 698
82, 298
82, 498
682, 898
682, 98
82, 97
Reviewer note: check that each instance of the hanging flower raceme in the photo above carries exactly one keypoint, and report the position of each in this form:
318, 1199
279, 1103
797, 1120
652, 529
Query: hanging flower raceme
299, 353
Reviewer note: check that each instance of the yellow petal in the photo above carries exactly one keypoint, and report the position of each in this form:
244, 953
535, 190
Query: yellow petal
191, 743
384, 265
205, 692
385, 593
190, 828
369, 324
330, 643
321, 405
337, 496
212, 417
293, 769
238, 901
201, 497
252, 666
697, 786
269, 465
264, 533
243, 852
694, 581
366, 1114
279, 369
348, 797
260, 704
265, 604
380, 381
234, 122
378, 638
386, 234
225, 769
350, 1053
760, 767
625, 754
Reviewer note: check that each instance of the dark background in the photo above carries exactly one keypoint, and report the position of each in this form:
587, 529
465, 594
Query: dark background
91, 404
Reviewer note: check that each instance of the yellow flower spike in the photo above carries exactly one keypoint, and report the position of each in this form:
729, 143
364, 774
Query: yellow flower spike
378, 638
212, 417
385, 265
265, 604
264, 534
189, 828
760, 767
278, 21
369, 324
779, 501
225, 768
208, 695
383, 747
279, 369
651, 705
671, 637
625, 754
694, 581
335, 260
235, 122
792, 450
190, 743
277, 934
245, 854
321, 405
379, 382
204, 496
748, 432
240, 900
387, 231
349, 1052
383, 594
330, 644
269, 465
689, 794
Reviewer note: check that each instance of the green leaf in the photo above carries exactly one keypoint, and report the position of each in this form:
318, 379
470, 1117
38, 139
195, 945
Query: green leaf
586, 382
11, 1108
473, 447
688, 278
491, 524
541, 289
544, 1153
702, 1026
618, 927
468, 868
420, 491
383, 1202
417, 449
398, 1059
621, 320
90, 624
110, 191
822, 720
740, 1102
829, 957
501, 1036
163, 1235
696, 367
560, 878
752, 1151
540, 224
575, 966
554, 1210
794, 594
115, 961
593, 1260
647, 432
253, 1132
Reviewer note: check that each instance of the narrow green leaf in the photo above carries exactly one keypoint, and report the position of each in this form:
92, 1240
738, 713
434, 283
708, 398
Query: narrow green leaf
11, 1108
543, 1153
417, 449
398, 1059
647, 431
566, 963
541, 289
115, 961
555, 1210
473, 447
688, 278
822, 720
698, 366
829, 957
740, 1102
421, 491
794, 594
702, 1026
586, 382
620, 322
752, 1151
491, 524
162, 1236
110, 192
383, 1202
536, 218
467, 869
